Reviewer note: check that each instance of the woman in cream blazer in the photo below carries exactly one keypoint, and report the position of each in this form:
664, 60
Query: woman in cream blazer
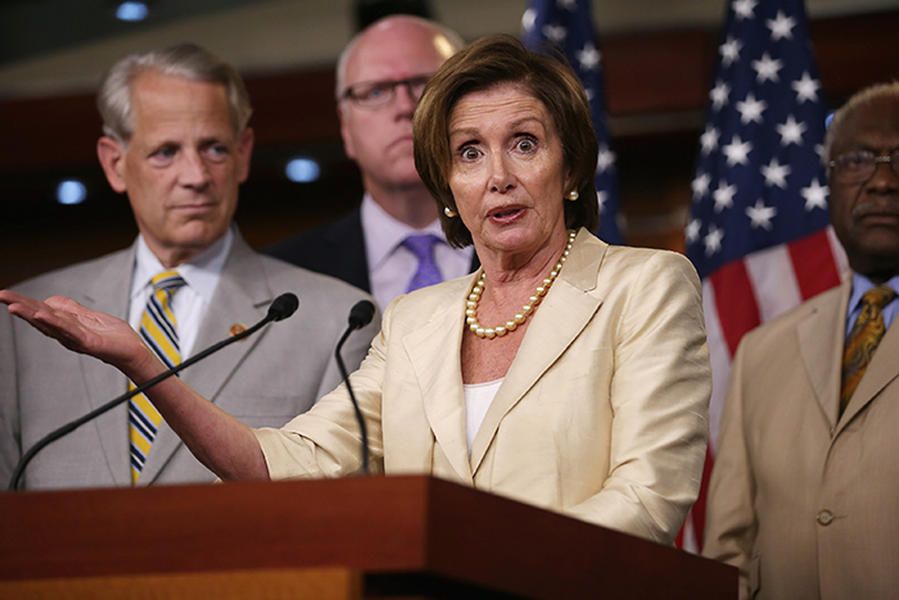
602, 414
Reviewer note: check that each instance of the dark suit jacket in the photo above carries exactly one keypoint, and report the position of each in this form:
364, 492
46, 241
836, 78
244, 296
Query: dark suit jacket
336, 249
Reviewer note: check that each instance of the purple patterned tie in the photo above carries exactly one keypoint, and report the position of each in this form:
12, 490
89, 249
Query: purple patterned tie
422, 246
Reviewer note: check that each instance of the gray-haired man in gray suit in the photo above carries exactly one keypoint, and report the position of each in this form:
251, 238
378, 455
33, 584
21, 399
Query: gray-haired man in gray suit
176, 142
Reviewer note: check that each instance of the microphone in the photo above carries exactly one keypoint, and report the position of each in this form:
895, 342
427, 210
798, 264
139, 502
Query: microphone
360, 315
281, 307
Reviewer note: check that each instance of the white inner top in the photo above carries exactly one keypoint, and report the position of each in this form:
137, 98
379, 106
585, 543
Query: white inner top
478, 397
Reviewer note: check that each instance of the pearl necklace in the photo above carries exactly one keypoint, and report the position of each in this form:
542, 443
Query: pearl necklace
474, 298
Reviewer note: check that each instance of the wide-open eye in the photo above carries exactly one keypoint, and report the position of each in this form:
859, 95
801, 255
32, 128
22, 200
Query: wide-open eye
526, 144
469, 152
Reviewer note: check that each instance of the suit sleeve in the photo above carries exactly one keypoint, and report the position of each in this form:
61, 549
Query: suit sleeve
659, 400
10, 437
731, 523
326, 441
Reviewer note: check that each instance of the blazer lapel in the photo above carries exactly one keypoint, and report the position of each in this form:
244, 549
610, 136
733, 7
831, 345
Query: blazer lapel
821, 348
348, 260
241, 297
433, 352
109, 293
880, 372
567, 309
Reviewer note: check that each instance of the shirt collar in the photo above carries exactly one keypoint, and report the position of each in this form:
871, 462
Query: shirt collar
200, 274
383, 233
861, 284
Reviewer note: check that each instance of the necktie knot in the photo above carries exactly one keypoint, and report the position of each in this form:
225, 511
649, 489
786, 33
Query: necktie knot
878, 297
167, 280
422, 246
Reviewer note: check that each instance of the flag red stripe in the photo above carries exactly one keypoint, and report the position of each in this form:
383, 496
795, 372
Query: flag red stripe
814, 264
738, 312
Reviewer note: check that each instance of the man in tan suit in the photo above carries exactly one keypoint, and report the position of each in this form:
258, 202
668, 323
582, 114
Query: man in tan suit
804, 493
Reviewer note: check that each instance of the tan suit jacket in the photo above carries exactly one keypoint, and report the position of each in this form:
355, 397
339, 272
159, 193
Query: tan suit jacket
263, 381
602, 414
806, 504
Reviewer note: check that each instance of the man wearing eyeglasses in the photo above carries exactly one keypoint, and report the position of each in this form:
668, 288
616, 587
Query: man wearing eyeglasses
805, 489
393, 243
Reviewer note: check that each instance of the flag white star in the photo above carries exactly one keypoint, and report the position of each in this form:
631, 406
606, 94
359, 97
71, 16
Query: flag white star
588, 91
601, 201
604, 160
528, 19
709, 139
806, 88
712, 240
724, 196
781, 26
815, 196
691, 233
730, 51
767, 68
791, 131
719, 94
761, 215
554, 33
776, 173
819, 150
700, 185
744, 9
737, 151
567, 4
589, 57
751, 109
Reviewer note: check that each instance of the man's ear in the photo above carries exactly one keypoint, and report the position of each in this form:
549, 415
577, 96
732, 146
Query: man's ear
244, 153
112, 158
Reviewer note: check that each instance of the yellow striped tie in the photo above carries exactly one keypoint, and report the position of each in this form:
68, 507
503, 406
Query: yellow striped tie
863, 340
158, 329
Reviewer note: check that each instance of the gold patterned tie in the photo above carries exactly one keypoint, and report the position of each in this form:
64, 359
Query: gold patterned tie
158, 330
863, 340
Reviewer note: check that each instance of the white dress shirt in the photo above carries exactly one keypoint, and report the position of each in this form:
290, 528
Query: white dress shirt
390, 264
189, 304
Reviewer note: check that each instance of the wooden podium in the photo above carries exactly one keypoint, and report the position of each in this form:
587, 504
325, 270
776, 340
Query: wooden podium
377, 537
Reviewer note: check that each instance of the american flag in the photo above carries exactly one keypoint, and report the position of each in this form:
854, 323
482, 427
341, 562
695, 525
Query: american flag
567, 25
759, 232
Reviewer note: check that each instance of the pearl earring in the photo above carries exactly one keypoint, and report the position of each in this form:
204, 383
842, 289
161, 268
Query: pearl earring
450, 213
572, 195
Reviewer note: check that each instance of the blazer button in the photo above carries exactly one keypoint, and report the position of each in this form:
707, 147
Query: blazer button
824, 517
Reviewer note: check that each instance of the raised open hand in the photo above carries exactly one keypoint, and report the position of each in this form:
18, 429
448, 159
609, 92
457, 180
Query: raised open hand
80, 329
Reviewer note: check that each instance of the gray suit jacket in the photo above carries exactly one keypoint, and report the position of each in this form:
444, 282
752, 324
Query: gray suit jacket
803, 500
263, 381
